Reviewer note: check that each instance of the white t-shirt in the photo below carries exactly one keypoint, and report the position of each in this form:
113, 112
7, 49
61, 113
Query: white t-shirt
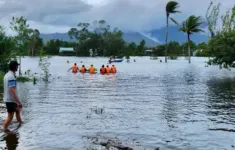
9, 81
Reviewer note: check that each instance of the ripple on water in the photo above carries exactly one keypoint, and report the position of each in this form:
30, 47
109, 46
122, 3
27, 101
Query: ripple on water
171, 106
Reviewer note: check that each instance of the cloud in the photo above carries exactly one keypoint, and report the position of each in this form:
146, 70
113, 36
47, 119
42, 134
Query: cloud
128, 15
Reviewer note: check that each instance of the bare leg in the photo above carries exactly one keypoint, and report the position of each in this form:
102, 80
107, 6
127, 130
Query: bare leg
18, 117
8, 121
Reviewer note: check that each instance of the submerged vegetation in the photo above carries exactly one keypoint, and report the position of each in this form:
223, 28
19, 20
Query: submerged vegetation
221, 45
23, 79
44, 64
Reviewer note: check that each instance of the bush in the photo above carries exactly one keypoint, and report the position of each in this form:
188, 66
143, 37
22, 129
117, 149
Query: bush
1, 79
172, 57
23, 79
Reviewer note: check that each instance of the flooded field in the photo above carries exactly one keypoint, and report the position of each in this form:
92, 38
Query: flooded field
146, 105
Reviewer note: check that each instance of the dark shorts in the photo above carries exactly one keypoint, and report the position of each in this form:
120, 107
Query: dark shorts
11, 107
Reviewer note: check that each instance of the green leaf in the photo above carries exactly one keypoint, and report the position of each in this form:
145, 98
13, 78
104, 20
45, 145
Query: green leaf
173, 20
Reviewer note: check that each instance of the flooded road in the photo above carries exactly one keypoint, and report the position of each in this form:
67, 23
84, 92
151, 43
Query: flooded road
147, 104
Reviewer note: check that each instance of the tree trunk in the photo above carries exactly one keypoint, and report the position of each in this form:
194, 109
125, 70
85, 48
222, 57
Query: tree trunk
20, 65
189, 51
33, 50
29, 51
167, 16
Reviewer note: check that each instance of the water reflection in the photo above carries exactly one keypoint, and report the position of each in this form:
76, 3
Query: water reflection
12, 140
221, 99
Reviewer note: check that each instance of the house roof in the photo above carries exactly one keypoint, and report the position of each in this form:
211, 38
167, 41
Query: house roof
66, 49
148, 50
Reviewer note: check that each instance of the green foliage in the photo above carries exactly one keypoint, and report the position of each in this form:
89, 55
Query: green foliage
20, 26
172, 57
202, 50
228, 21
159, 50
98, 37
35, 42
184, 47
1, 79
23, 79
190, 26
130, 49
171, 7
212, 17
223, 50
174, 49
221, 46
7, 46
44, 64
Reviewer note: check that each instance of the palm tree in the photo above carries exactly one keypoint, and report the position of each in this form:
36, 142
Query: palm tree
171, 8
190, 26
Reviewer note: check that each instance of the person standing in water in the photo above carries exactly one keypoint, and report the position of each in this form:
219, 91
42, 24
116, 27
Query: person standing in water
113, 69
108, 69
11, 99
74, 68
92, 69
83, 69
102, 70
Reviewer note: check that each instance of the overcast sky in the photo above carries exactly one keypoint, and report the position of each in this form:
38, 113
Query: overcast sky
130, 15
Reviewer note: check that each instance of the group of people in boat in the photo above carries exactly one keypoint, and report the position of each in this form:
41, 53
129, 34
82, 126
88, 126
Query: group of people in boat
92, 69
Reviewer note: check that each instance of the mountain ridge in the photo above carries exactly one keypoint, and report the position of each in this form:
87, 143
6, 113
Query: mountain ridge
152, 38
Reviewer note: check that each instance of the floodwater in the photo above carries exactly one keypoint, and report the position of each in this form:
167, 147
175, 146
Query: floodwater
147, 104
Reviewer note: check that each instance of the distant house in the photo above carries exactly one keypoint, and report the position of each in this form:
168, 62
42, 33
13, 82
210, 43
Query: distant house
148, 52
67, 51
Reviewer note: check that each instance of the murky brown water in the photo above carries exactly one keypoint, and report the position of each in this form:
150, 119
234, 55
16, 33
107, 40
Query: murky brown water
147, 104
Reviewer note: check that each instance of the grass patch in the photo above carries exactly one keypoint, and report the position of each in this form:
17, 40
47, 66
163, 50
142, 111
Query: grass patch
23, 79
1, 79
172, 57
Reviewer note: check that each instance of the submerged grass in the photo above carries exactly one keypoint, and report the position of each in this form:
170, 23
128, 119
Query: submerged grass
1, 79
23, 79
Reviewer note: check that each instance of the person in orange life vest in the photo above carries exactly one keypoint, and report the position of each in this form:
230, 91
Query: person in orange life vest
102, 70
91, 69
108, 69
74, 68
83, 69
113, 69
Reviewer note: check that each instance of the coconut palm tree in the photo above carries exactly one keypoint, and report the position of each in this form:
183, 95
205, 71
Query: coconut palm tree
190, 26
171, 8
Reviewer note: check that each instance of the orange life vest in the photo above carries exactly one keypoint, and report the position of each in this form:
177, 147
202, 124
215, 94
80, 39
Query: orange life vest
92, 70
102, 70
75, 69
113, 69
108, 70
83, 70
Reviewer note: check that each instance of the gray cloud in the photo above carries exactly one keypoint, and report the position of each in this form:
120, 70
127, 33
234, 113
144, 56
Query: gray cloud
125, 14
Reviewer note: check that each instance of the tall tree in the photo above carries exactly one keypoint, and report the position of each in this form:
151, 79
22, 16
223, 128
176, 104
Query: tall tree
34, 41
7, 47
212, 17
190, 26
81, 33
174, 48
171, 8
221, 46
20, 26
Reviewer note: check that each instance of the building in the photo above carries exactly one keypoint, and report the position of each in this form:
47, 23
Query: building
67, 51
148, 52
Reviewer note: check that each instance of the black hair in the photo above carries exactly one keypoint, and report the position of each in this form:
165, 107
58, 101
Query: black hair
13, 65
